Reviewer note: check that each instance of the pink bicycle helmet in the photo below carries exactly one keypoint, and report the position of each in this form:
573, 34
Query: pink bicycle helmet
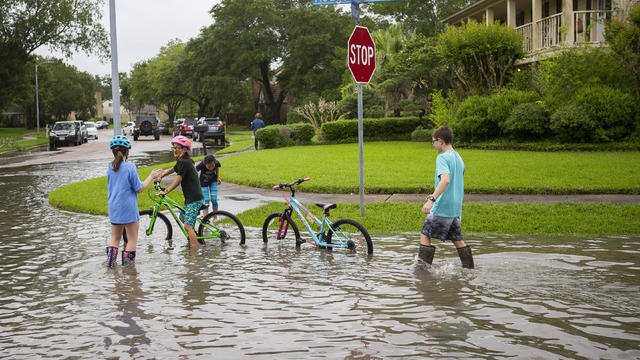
182, 141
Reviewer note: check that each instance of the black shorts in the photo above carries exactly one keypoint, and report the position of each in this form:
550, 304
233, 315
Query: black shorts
443, 228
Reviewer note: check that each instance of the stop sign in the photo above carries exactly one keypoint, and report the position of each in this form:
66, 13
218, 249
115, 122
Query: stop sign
361, 54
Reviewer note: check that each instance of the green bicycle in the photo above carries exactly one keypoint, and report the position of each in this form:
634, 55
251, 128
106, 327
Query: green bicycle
155, 225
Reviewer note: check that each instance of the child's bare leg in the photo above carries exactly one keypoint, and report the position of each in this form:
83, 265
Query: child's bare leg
132, 235
193, 238
116, 235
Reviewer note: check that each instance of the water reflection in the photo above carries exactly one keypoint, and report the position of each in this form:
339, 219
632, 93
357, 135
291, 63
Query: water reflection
554, 297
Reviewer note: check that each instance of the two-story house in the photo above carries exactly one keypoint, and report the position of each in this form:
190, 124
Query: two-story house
547, 25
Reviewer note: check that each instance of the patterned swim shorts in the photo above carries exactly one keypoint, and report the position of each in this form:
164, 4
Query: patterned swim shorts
190, 212
443, 228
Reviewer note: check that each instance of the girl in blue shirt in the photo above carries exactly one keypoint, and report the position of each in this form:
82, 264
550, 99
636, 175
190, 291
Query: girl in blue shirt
123, 186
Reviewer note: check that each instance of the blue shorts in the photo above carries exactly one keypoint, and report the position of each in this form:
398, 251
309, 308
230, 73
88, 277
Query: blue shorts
211, 192
190, 212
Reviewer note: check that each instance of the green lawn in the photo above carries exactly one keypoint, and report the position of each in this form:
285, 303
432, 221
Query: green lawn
12, 138
238, 143
486, 218
408, 167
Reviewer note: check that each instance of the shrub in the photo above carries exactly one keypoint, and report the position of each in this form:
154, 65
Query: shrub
421, 134
528, 120
502, 104
302, 133
579, 68
571, 123
372, 105
383, 128
443, 110
614, 111
274, 136
294, 118
269, 136
472, 121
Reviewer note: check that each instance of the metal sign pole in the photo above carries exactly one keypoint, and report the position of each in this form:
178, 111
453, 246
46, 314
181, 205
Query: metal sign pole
360, 148
115, 78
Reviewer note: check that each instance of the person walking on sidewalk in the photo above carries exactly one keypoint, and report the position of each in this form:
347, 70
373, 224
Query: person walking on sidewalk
256, 125
444, 207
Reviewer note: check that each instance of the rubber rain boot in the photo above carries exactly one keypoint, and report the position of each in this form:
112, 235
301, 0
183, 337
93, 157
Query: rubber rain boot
112, 256
465, 257
426, 253
128, 257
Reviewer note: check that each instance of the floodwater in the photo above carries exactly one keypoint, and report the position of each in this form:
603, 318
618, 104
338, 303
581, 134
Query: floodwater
545, 298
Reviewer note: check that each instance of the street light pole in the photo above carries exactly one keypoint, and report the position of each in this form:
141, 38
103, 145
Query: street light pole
115, 79
37, 104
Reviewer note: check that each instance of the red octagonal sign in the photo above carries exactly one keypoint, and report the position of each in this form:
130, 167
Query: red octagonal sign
361, 54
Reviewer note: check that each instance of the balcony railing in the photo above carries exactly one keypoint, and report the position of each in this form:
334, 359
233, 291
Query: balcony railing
527, 36
548, 30
588, 26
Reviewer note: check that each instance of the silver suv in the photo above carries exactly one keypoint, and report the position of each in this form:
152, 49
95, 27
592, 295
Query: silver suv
83, 130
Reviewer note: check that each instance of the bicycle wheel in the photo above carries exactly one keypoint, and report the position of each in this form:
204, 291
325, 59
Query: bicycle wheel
275, 229
161, 231
227, 225
351, 233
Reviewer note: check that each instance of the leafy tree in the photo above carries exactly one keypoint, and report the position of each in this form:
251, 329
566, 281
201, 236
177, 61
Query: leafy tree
624, 39
285, 42
64, 89
481, 56
26, 25
423, 16
163, 78
208, 81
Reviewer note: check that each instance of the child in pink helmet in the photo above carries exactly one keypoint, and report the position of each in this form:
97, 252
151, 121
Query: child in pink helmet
187, 177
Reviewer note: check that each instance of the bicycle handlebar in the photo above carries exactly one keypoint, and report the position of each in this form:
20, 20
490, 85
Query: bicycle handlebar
290, 185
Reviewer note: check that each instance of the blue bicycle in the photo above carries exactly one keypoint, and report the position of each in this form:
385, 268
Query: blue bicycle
344, 233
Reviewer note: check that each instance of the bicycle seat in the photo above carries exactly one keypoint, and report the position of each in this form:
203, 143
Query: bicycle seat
326, 207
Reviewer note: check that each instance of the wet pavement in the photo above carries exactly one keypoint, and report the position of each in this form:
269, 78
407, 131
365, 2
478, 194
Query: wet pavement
529, 297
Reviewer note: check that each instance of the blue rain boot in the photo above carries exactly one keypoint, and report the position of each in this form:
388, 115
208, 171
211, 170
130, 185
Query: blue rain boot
128, 257
112, 256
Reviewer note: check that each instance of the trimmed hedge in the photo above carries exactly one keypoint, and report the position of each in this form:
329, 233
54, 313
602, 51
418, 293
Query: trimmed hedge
393, 128
274, 136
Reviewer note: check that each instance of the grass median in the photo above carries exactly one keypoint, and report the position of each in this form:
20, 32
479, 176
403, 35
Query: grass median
406, 167
13, 139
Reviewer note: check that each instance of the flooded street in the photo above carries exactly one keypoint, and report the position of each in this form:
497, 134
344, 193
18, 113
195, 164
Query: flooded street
547, 298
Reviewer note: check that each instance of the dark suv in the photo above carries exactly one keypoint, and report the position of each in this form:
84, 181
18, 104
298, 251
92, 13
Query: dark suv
65, 132
215, 130
145, 126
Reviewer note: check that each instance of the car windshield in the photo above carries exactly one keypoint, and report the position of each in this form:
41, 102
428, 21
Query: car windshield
62, 126
90, 125
189, 122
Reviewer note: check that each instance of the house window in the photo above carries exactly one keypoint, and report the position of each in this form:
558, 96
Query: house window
558, 6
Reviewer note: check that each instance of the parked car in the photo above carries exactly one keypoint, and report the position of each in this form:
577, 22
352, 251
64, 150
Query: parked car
65, 132
102, 124
176, 126
215, 130
145, 126
185, 128
127, 129
163, 126
83, 130
92, 129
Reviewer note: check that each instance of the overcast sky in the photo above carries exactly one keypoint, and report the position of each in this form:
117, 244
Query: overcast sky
143, 27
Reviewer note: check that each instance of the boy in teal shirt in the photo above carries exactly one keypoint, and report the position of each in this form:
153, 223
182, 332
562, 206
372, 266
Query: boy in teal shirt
444, 206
